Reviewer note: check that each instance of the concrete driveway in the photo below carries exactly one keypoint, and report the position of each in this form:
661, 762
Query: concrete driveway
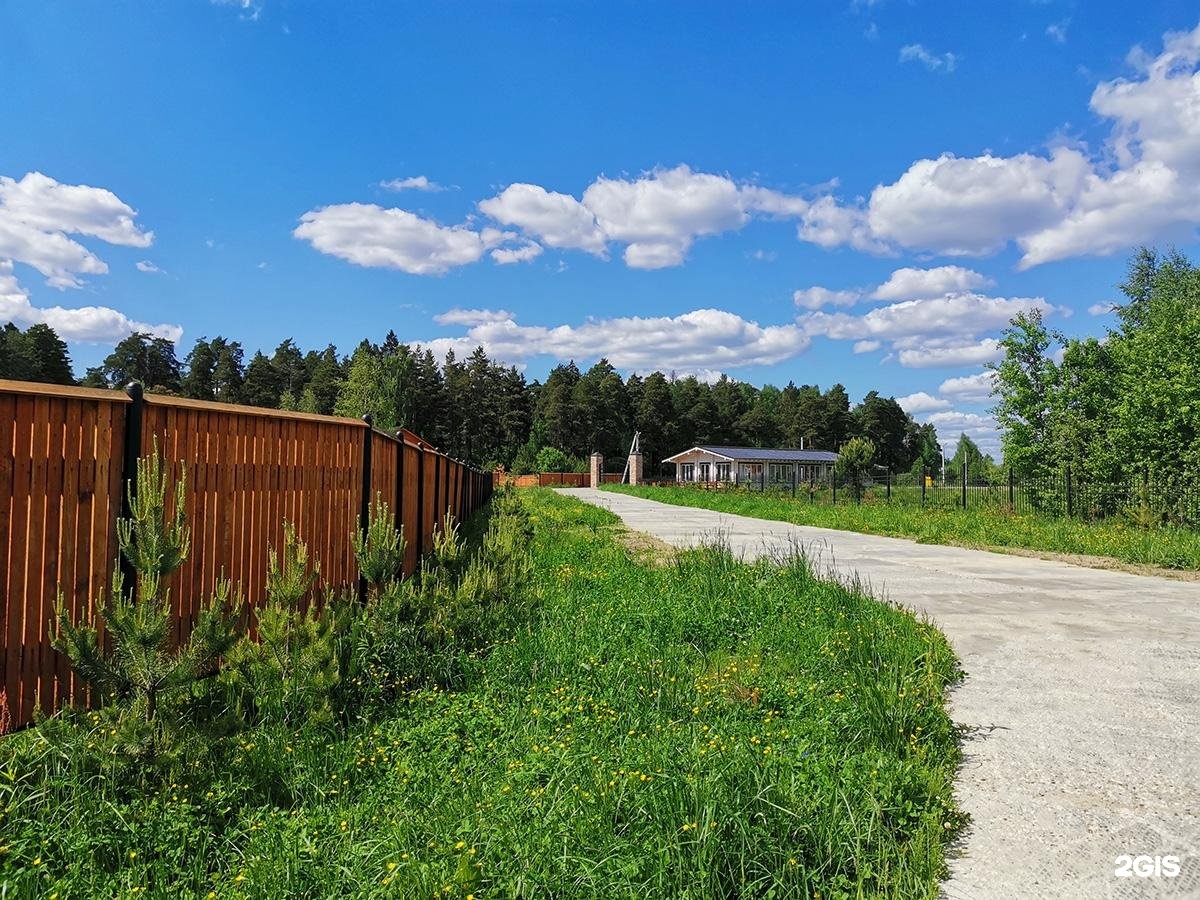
1082, 691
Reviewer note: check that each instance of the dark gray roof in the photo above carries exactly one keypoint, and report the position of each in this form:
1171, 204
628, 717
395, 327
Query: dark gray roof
761, 454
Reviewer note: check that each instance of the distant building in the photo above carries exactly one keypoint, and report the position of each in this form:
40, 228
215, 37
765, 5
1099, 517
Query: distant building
752, 465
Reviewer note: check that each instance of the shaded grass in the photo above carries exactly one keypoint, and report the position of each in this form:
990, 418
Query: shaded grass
702, 729
1165, 547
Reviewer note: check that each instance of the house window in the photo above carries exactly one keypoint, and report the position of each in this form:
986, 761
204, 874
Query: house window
781, 472
722, 471
687, 472
704, 470
751, 472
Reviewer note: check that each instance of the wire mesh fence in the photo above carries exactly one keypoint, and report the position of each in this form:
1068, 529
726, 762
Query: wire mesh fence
1146, 500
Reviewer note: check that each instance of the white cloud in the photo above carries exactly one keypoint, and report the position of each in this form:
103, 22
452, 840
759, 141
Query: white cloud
1100, 309
526, 252
1057, 31
945, 357
763, 256
472, 316
369, 235
818, 297
146, 266
974, 206
951, 424
36, 215
975, 388
945, 62
910, 321
98, 324
921, 402
415, 183
1141, 186
657, 216
915, 284
704, 339
867, 346
558, 220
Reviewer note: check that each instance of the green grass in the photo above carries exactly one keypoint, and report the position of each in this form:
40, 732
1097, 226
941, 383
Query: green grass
699, 729
1165, 547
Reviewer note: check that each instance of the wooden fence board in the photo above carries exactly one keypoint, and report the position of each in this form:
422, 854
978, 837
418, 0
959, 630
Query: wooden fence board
247, 470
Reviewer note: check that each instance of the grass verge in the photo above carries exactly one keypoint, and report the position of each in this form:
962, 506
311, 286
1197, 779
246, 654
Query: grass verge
1161, 547
699, 729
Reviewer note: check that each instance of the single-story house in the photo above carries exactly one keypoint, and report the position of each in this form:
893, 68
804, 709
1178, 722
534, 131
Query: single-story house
752, 465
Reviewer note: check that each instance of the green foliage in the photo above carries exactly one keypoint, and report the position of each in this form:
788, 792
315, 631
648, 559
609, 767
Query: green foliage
380, 549
143, 358
854, 461
764, 732
288, 674
1125, 539
1118, 410
152, 700
551, 459
36, 354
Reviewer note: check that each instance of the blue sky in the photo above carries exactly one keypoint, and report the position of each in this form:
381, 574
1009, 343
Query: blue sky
664, 184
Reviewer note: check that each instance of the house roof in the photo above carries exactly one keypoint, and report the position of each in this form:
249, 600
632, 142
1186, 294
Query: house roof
763, 454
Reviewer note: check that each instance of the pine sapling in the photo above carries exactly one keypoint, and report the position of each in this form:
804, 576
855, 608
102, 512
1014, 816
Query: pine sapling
139, 668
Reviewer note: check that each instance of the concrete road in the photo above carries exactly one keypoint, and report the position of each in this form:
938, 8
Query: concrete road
1082, 688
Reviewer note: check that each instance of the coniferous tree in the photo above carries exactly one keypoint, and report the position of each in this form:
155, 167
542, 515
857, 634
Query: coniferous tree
145, 683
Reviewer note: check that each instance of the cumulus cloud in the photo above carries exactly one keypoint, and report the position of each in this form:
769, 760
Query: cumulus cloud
1100, 309
952, 423
37, 214
945, 356
506, 256
415, 183
921, 402
704, 339
472, 316
145, 265
934, 62
369, 235
914, 284
975, 388
929, 333
557, 220
98, 324
658, 216
1142, 185
818, 297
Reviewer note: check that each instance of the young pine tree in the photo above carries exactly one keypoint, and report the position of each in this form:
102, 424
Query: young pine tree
144, 684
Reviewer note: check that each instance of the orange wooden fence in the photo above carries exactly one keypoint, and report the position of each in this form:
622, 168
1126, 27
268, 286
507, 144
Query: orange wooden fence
63, 465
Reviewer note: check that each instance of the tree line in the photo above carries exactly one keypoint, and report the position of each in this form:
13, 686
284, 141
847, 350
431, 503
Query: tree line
481, 411
1124, 408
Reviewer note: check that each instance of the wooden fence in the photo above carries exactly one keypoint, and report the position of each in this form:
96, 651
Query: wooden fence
66, 453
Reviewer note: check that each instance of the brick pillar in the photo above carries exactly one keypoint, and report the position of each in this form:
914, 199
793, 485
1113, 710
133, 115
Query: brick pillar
635, 468
597, 469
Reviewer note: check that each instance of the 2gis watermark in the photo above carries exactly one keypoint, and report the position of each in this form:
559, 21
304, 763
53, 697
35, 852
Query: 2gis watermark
1129, 866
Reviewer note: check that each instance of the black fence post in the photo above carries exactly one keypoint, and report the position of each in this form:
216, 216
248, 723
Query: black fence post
1012, 490
833, 486
923, 487
1070, 503
420, 502
134, 414
889, 484
400, 481
364, 509
793, 482
964, 481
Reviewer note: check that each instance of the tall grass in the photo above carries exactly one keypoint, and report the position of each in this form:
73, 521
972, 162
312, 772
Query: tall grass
699, 729
1162, 546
